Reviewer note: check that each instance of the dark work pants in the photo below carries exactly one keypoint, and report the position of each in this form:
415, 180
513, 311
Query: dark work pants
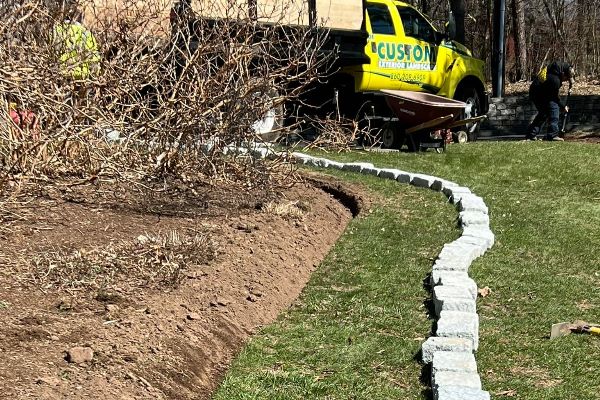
546, 110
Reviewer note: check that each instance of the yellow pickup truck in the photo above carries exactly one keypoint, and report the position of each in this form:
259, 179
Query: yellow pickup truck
399, 49
407, 53
378, 45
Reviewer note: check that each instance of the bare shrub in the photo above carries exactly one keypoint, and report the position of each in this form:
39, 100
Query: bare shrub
161, 97
342, 134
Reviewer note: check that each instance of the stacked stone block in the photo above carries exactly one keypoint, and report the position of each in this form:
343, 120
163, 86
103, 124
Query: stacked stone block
451, 351
511, 115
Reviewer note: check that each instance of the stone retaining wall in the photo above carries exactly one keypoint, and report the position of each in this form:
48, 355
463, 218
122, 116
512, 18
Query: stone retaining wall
451, 352
511, 115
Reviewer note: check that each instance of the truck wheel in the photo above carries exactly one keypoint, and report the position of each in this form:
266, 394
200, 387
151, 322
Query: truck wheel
391, 138
268, 127
469, 95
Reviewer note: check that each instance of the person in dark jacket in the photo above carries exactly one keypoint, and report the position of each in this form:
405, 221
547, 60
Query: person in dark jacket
543, 92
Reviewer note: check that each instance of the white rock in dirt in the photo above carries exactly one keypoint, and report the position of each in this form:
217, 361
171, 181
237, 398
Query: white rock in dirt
48, 380
193, 316
111, 308
79, 355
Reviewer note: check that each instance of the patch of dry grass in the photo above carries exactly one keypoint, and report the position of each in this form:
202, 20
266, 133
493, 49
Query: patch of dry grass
287, 209
150, 261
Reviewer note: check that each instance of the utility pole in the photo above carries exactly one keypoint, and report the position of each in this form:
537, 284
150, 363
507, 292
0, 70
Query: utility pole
498, 49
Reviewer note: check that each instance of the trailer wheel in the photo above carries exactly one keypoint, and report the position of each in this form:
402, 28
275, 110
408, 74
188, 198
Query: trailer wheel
268, 126
460, 137
391, 137
469, 95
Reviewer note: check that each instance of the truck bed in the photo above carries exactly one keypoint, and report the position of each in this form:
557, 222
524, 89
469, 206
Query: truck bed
332, 14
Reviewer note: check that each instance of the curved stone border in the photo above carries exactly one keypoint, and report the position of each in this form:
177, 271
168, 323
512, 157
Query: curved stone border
451, 351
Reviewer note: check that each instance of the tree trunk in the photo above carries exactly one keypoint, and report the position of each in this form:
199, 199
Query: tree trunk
520, 35
458, 9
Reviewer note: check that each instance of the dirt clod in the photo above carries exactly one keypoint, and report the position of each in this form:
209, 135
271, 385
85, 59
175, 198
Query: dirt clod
79, 355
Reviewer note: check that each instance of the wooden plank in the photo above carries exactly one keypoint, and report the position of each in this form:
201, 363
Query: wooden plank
429, 124
465, 121
147, 17
152, 16
340, 14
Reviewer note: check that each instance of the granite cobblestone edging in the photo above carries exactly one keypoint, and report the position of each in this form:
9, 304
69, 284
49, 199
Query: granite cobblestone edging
451, 351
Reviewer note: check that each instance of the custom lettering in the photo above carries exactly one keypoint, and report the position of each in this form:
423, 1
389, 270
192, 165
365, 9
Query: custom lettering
400, 52
405, 56
418, 53
390, 51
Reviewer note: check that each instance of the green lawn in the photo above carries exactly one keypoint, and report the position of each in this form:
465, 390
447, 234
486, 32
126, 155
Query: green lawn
359, 323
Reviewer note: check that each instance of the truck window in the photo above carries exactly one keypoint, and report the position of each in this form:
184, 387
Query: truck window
381, 20
415, 25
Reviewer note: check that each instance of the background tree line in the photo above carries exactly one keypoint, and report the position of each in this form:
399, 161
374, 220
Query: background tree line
537, 31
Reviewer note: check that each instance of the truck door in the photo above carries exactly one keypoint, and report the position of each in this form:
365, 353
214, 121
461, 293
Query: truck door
381, 47
424, 62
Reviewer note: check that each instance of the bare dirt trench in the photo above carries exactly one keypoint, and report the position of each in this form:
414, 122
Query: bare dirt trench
152, 341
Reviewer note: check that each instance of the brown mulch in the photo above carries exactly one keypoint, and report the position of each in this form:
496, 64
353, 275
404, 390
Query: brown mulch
163, 287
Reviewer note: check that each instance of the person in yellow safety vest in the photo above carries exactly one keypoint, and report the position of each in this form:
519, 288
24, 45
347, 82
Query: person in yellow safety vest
77, 47
544, 93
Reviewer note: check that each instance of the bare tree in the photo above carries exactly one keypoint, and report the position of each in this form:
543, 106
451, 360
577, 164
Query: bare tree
521, 38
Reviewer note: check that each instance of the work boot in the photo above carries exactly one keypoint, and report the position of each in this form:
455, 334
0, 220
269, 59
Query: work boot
531, 138
557, 139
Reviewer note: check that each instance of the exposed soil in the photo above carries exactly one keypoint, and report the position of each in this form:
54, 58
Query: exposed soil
586, 137
164, 289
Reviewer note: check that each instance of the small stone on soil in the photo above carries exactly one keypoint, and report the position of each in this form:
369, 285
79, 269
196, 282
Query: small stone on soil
79, 355
193, 316
48, 380
111, 308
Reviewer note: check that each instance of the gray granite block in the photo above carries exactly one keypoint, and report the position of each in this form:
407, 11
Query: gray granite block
453, 361
460, 250
454, 304
437, 343
452, 378
357, 167
404, 177
452, 191
440, 184
480, 232
422, 180
389, 173
336, 165
316, 162
460, 393
459, 265
453, 298
479, 245
300, 156
459, 325
455, 278
437, 276
469, 218
371, 171
471, 202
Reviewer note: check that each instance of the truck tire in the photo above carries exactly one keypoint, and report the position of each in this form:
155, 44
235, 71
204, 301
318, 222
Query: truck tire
469, 95
391, 137
269, 127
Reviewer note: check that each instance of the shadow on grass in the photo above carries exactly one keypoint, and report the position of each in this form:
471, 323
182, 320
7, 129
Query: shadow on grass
425, 377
